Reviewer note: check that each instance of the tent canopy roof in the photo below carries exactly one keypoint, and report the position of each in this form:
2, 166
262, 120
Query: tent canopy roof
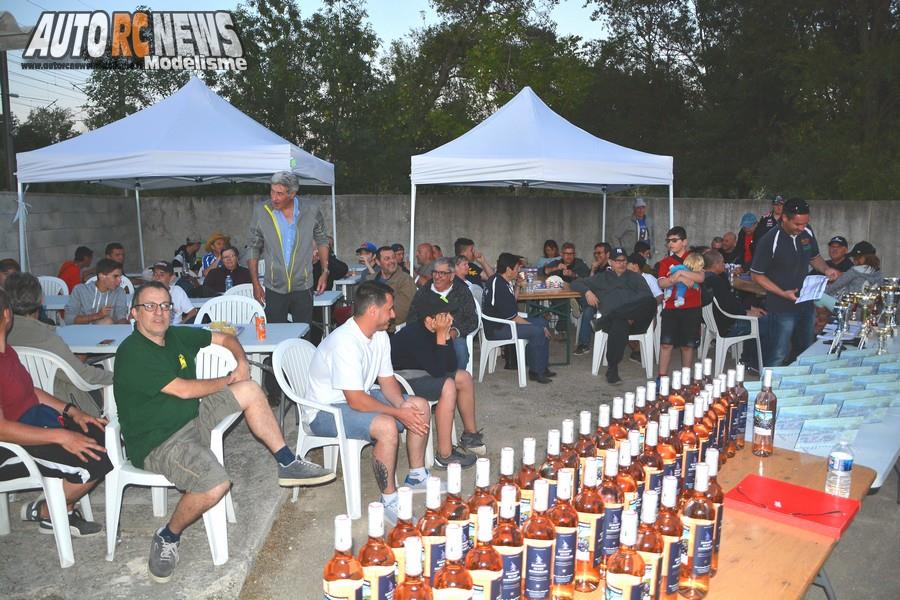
193, 137
526, 143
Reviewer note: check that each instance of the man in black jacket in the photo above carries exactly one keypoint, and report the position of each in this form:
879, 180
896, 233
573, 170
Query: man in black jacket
425, 345
625, 302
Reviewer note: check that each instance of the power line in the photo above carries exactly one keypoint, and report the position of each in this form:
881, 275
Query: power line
36, 4
39, 80
32, 85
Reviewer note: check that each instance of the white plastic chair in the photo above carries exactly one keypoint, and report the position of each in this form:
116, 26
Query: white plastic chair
645, 340
657, 329
470, 340
489, 350
723, 343
125, 283
244, 289
291, 361
234, 309
53, 286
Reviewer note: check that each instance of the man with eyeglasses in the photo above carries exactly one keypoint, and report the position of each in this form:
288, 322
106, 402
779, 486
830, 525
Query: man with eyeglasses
570, 267
680, 326
602, 251
398, 280
166, 426
465, 316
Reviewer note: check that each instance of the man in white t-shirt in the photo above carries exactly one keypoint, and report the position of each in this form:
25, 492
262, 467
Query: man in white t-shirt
182, 309
346, 366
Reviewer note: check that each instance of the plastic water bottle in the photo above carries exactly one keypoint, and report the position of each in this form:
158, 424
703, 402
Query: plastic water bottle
840, 468
229, 282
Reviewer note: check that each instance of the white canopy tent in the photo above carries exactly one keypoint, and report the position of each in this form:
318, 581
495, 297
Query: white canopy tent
525, 143
193, 137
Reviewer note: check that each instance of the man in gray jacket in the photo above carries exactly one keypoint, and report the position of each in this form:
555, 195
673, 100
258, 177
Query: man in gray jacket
284, 232
625, 302
635, 227
25, 299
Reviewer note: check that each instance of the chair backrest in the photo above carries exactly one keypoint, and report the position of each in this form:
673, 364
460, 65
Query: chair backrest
43, 367
53, 286
237, 310
214, 361
477, 293
709, 319
244, 289
125, 283
291, 361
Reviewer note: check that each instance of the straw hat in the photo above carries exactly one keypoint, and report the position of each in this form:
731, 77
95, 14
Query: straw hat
217, 236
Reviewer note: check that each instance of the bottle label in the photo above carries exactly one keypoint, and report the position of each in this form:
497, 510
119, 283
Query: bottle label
652, 575
632, 501
451, 594
669, 465
464, 527
579, 475
590, 539
400, 564
379, 582
742, 419
511, 581
763, 422
525, 506
485, 584
473, 527
697, 544
433, 557
671, 563
702, 445
601, 458
653, 480
538, 559
612, 526
343, 589
720, 511
840, 462
564, 558
551, 491
689, 466
734, 416
720, 433
622, 587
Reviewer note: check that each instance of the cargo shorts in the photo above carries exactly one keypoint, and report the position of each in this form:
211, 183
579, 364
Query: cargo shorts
185, 458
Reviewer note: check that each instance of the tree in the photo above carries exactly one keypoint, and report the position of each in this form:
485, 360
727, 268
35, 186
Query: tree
44, 127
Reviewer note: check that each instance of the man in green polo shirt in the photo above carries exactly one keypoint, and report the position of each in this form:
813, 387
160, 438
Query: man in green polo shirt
167, 428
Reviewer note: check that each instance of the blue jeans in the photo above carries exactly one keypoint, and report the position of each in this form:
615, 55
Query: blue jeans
462, 352
748, 354
537, 352
784, 331
585, 331
356, 422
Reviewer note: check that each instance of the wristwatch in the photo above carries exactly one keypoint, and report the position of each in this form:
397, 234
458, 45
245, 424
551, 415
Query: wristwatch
69, 406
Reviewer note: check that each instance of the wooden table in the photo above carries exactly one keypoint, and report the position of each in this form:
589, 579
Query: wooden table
562, 310
765, 559
748, 286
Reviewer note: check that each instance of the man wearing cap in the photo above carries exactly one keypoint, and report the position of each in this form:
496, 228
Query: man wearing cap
423, 353
767, 222
400, 282
182, 309
400, 256
499, 301
186, 257
781, 263
745, 238
283, 232
837, 253
625, 302
213, 257
635, 227
424, 263
366, 256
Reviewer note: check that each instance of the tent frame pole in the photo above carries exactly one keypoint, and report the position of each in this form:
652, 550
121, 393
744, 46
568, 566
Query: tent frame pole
603, 226
334, 221
137, 205
22, 215
412, 221
671, 207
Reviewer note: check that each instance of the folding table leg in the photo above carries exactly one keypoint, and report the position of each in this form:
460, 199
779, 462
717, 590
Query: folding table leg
823, 582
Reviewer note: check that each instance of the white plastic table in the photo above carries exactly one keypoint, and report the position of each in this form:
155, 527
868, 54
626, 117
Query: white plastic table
326, 301
347, 282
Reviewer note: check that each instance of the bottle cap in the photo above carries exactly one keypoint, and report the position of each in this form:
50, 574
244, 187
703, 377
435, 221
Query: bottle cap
404, 503
590, 472
701, 476
707, 366
343, 536
413, 550
651, 390
508, 501
648, 506
483, 472
740, 372
603, 416
641, 396
698, 371
664, 425
541, 493
689, 414
584, 422
433, 492
485, 523
376, 519
673, 419
669, 491
618, 406
676, 380
717, 388
507, 461
767, 378
565, 481
634, 442
528, 445
611, 464
664, 385
628, 534
624, 453
454, 479
685, 376
698, 406
712, 460
732, 376
629, 403
651, 437
568, 432
454, 543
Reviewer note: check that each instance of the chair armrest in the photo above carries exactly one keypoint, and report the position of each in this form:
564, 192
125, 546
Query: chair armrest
27, 460
404, 384
508, 322
729, 315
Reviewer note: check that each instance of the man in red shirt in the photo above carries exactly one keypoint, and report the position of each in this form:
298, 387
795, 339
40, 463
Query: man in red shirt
70, 271
680, 320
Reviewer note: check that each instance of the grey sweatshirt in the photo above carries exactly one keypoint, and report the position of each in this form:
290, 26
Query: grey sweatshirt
86, 299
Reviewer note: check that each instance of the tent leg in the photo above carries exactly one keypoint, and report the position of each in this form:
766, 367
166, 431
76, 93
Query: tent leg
334, 221
671, 207
412, 222
137, 205
21, 215
603, 226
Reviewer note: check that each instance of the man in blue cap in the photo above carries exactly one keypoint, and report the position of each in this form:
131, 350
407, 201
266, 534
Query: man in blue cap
743, 254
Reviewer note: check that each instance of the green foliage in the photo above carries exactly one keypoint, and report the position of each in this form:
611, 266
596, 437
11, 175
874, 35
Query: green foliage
43, 127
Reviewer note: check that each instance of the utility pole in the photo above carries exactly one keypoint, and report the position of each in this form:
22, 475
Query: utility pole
7, 124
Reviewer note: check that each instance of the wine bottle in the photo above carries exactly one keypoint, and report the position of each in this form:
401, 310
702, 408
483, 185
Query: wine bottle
414, 585
509, 544
697, 519
700, 429
723, 415
651, 461
734, 413
402, 530
585, 447
454, 507
617, 427
342, 577
631, 497
635, 469
483, 562
525, 479
666, 449
567, 453
613, 500
742, 396
625, 570
640, 416
377, 559
668, 522
603, 439
650, 546
565, 522
433, 529
628, 411
552, 464
452, 581
690, 451
481, 496
676, 400
707, 371
716, 495
589, 506
686, 384
540, 538
697, 383
764, 418
507, 477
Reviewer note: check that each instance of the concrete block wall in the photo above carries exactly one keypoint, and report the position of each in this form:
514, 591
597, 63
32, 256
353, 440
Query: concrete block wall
502, 221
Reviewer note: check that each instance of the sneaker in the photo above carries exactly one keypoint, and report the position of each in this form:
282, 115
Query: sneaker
549, 373
473, 442
163, 558
32, 512
390, 511
612, 377
458, 455
303, 472
636, 357
581, 350
540, 378
418, 485
80, 527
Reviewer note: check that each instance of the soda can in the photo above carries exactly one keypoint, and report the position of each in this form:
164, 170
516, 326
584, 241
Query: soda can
260, 328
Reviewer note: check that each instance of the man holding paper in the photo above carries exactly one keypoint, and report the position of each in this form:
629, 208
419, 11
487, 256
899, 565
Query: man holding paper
780, 265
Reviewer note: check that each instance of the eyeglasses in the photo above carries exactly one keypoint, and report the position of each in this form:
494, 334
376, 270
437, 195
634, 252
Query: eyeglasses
569, 252
442, 273
151, 307
672, 240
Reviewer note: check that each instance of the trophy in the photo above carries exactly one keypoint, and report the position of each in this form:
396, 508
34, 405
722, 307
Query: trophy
890, 293
869, 317
842, 314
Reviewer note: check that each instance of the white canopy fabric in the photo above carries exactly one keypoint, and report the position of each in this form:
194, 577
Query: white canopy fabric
193, 137
526, 143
